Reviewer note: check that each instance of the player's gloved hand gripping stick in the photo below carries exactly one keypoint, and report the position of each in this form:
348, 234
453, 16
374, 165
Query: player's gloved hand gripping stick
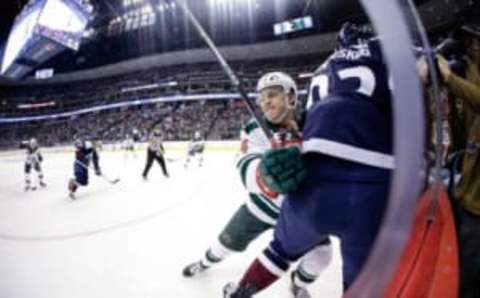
281, 169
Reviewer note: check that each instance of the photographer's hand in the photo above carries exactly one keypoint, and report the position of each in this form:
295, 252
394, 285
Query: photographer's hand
422, 68
444, 68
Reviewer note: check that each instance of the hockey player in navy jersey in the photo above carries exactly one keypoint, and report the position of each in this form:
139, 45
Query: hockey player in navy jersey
33, 160
347, 158
85, 152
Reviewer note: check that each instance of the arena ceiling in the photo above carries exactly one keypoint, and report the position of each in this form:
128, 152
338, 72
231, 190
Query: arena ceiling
228, 26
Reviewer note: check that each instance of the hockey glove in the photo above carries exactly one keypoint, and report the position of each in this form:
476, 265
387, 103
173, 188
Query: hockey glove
282, 170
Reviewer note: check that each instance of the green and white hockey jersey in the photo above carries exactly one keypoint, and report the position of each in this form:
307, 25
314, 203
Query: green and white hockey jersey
254, 144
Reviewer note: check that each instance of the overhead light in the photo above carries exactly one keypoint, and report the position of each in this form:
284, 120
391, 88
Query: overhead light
218, 2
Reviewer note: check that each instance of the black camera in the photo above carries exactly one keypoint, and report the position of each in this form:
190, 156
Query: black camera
454, 51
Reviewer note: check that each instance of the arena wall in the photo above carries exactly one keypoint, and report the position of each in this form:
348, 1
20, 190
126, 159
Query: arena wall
170, 146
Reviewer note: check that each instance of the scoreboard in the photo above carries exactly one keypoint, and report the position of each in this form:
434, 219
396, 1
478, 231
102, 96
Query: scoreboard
295, 25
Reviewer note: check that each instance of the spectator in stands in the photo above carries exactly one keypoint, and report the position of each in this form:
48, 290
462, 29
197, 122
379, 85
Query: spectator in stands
466, 90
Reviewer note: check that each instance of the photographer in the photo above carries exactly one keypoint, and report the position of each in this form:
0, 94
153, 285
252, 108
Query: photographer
465, 90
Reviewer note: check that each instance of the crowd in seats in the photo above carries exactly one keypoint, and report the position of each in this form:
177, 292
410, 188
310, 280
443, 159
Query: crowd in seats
178, 121
158, 82
218, 119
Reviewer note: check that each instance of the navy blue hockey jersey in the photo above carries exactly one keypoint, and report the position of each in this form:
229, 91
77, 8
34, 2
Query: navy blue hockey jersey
349, 118
85, 152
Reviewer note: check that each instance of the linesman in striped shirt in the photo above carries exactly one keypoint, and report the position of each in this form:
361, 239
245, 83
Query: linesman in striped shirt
155, 151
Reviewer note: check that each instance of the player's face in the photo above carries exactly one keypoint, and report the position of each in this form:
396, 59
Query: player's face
273, 103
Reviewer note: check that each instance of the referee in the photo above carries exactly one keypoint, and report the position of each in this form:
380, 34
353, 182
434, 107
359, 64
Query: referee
155, 151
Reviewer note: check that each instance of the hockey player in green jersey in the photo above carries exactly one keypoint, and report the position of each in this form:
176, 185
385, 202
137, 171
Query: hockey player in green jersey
277, 99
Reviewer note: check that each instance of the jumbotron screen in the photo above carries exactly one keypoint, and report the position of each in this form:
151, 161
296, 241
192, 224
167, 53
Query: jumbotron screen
63, 21
21, 32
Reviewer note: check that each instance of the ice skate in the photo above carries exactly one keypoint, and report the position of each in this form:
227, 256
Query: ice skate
194, 269
297, 291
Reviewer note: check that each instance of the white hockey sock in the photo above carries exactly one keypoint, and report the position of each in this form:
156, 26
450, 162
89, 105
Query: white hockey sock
312, 264
303, 279
28, 181
40, 176
215, 254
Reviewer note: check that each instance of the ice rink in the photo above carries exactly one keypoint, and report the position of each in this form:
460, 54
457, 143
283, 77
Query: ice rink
129, 240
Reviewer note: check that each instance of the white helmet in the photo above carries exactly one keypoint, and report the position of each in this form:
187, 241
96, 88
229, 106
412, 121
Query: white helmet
197, 135
275, 79
33, 142
88, 145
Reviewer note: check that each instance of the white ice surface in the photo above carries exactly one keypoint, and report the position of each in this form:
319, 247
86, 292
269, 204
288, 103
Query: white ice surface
129, 240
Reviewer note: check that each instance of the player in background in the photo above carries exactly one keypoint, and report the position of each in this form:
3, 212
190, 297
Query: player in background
339, 185
129, 147
195, 149
136, 135
33, 160
278, 100
155, 151
85, 152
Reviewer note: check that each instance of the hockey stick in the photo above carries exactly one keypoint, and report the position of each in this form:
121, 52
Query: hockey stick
435, 79
174, 159
111, 181
226, 68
